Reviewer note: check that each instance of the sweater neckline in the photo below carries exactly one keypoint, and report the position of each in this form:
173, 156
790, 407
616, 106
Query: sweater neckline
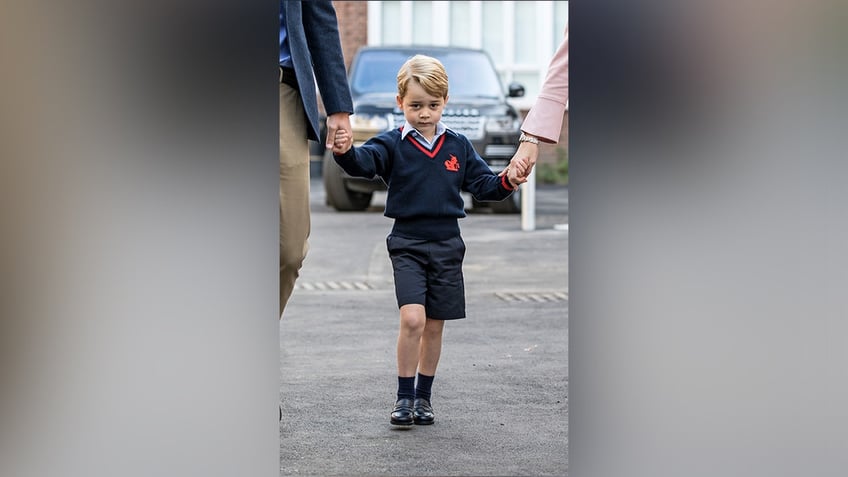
428, 153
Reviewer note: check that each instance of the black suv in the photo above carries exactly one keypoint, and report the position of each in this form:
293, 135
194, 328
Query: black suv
476, 108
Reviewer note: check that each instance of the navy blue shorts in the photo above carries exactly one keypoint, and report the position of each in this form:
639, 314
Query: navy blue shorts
429, 273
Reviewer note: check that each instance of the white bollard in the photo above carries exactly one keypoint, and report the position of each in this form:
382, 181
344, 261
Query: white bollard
528, 202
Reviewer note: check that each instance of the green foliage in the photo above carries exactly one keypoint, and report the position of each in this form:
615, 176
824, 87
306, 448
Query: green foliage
556, 173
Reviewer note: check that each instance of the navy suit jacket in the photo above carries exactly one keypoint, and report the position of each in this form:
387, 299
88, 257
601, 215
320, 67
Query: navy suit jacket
313, 35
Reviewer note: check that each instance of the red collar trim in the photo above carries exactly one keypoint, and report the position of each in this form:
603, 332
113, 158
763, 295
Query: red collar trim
430, 154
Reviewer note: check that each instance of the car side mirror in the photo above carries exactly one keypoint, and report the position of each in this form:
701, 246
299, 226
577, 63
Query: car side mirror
516, 90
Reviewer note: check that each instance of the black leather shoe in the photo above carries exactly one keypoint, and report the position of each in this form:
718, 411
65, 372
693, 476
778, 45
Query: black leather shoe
422, 412
402, 413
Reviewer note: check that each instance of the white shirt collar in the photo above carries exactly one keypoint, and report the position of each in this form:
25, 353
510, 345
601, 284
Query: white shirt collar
407, 128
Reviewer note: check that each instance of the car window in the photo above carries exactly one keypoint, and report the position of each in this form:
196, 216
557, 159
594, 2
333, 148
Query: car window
470, 73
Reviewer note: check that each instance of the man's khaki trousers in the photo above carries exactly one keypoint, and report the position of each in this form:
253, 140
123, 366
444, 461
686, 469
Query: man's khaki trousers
294, 190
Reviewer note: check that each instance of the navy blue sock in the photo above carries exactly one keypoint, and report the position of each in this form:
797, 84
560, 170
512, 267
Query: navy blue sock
425, 383
406, 387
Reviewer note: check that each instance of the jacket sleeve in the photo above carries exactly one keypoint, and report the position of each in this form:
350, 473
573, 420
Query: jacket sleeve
322, 35
545, 117
369, 160
480, 180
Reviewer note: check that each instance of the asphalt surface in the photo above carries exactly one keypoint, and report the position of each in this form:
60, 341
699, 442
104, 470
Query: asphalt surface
501, 391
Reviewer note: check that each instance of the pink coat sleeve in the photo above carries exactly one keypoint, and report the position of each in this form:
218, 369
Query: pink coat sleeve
545, 117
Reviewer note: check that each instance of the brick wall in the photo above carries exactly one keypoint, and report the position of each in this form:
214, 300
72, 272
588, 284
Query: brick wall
353, 27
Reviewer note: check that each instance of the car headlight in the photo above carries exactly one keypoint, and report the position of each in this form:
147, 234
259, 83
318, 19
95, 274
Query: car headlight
502, 124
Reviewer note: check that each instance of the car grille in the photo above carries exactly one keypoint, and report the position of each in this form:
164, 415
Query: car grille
461, 121
500, 150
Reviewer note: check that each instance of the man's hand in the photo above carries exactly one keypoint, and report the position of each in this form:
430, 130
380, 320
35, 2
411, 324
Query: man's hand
337, 122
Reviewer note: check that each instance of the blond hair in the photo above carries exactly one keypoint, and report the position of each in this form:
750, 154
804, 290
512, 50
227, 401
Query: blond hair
427, 72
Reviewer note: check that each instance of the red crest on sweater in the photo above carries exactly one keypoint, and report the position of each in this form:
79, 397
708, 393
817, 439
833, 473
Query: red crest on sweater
452, 164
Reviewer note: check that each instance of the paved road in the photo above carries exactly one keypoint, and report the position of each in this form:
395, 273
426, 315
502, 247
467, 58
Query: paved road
500, 393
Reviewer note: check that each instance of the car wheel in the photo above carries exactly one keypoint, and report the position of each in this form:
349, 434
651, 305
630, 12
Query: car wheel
338, 195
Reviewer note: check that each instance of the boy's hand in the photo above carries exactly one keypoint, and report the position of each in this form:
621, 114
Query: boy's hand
342, 142
523, 160
336, 122
517, 171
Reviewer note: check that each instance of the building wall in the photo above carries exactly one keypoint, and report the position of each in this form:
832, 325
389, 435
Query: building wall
353, 27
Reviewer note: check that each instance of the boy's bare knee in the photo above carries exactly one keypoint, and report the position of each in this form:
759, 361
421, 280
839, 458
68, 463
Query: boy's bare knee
412, 319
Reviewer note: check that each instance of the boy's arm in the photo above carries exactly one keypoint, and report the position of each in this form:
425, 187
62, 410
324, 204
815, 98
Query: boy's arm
368, 160
481, 182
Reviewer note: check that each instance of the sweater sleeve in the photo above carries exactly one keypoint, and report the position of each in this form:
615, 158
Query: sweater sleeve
480, 180
369, 160
320, 25
545, 117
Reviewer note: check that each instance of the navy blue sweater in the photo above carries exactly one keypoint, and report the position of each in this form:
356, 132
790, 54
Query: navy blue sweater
424, 186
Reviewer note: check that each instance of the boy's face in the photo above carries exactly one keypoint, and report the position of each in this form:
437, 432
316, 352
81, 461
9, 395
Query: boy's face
422, 110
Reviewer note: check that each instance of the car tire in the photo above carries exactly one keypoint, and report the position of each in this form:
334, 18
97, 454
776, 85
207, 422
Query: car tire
338, 195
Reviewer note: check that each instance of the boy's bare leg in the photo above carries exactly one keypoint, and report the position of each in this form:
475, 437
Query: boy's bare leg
428, 359
412, 324
431, 347
412, 321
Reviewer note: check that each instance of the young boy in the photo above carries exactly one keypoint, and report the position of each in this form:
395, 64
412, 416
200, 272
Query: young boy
425, 166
